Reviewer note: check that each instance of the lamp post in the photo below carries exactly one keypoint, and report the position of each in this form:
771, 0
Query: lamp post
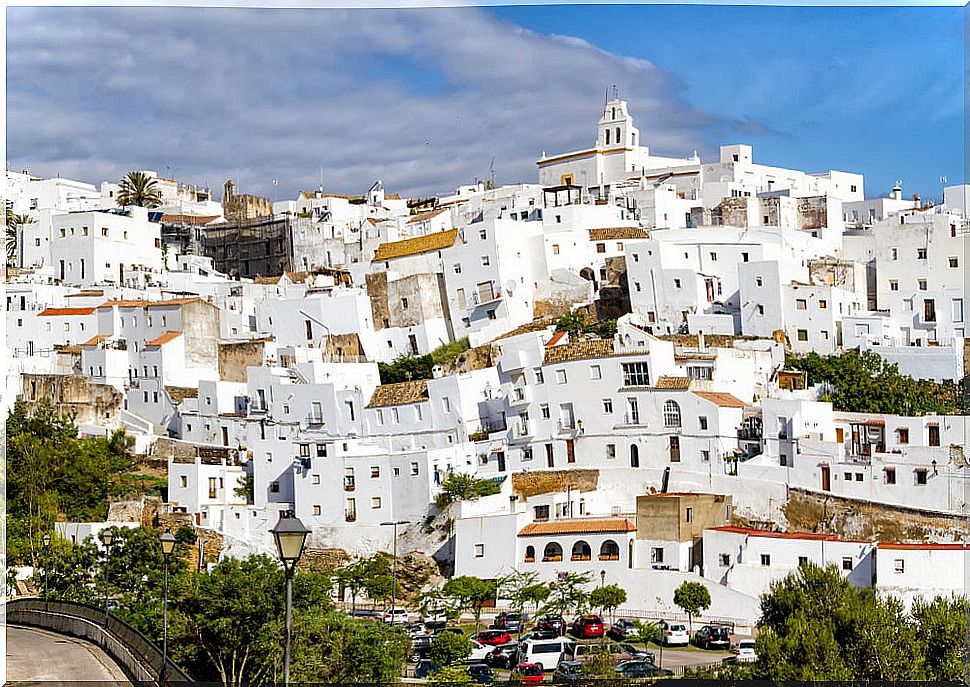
290, 535
167, 542
47, 543
602, 577
394, 524
106, 536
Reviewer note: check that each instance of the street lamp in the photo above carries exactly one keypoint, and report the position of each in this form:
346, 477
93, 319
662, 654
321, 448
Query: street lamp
167, 542
602, 577
290, 535
394, 524
47, 543
106, 536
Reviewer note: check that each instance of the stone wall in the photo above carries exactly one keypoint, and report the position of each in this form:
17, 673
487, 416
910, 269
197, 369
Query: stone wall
377, 292
526, 484
234, 358
75, 397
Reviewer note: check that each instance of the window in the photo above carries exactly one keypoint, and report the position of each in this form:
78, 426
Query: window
560, 376
274, 487
957, 307
490, 314
724, 559
457, 268
552, 552
921, 254
485, 261
847, 476
375, 502
703, 422
899, 566
480, 551
822, 305
889, 475
758, 281
800, 304
954, 262
858, 477
404, 303
671, 414
656, 554
541, 513
184, 481
894, 254
846, 563
689, 515
538, 374
713, 257
761, 310
610, 451
321, 450
375, 471
803, 560
600, 247
636, 374
414, 468
544, 411
676, 283
920, 477
765, 559
482, 234
607, 405
893, 285
555, 249
902, 435
934, 435
706, 456
446, 404
802, 334
595, 372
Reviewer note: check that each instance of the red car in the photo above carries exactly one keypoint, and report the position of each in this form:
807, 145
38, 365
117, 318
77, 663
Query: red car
493, 637
531, 673
588, 627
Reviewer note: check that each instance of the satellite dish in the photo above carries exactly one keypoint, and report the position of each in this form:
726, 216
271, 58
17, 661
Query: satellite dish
510, 287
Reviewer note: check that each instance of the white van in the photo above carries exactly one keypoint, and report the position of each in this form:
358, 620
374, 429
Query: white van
548, 653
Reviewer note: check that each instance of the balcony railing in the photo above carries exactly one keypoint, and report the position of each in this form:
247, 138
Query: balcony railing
579, 557
478, 299
609, 557
551, 559
314, 421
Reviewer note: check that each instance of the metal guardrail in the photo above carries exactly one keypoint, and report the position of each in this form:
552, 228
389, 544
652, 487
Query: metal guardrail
128, 647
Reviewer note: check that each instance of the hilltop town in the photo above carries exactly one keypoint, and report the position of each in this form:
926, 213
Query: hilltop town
653, 369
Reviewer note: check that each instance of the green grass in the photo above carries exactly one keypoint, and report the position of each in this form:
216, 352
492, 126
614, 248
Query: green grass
449, 351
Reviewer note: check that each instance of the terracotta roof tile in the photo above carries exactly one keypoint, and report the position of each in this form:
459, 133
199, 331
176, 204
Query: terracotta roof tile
50, 312
583, 350
399, 394
422, 216
534, 326
921, 546
556, 338
417, 245
617, 234
719, 398
180, 393
96, 340
149, 304
673, 383
189, 219
164, 339
578, 526
813, 536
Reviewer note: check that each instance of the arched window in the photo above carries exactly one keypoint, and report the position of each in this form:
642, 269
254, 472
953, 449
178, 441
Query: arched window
581, 551
614, 113
617, 135
530, 554
607, 137
634, 456
671, 414
552, 552
609, 551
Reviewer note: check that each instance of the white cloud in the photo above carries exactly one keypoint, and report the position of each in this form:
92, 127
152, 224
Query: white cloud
424, 99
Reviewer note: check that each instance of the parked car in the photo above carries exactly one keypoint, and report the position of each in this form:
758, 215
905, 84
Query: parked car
504, 656
396, 616
548, 653
568, 672
480, 673
638, 653
553, 623
479, 652
420, 646
623, 628
744, 651
493, 637
588, 626
434, 619
542, 634
640, 669
617, 653
712, 637
674, 633
531, 673
507, 621
415, 629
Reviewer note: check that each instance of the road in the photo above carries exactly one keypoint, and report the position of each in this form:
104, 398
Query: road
40, 656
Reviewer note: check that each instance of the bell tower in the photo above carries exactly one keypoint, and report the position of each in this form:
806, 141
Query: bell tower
616, 128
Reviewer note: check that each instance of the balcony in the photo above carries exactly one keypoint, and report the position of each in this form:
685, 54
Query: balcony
479, 299
314, 421
519, 395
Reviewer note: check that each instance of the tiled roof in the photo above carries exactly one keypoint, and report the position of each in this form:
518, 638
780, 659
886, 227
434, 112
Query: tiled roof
582, 350
813, 536
957, 546
399, 394
96, 340
189, 219
180, 393
617, 234
49, 312
578, 526
556, 338
673, 383
417, 245
719, 398
534, 326
422, 216
164, 338
92, 293
149, 304
690, 340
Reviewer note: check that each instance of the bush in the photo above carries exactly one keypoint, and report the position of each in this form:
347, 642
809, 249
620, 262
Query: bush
461, 487
449, 648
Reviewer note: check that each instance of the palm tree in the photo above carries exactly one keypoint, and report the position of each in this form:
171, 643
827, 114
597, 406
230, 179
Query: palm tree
137, 188
14, 222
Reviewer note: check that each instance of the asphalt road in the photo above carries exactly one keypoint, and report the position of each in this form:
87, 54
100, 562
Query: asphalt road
40, 656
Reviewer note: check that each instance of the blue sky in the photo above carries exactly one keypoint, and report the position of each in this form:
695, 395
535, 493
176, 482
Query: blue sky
427, 98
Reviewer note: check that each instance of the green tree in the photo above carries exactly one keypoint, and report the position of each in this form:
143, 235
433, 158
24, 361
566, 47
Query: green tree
331, 647
692, 598
599, 664
450, 675
405, 369
522, 588
568, 594
137, 188
449, 648
459, 486
14, 224
469, 593
941, 633
607, 598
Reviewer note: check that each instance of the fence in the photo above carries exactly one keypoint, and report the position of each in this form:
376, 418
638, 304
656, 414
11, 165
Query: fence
130, 649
